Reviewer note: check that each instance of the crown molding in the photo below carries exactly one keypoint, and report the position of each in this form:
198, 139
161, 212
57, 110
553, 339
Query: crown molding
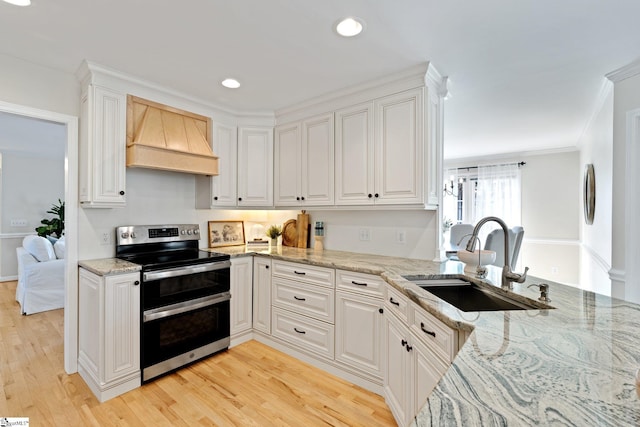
511, 156
94, 73
606, 88
629, 70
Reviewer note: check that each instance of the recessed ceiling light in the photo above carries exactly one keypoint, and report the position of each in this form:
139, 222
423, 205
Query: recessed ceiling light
350, 27
231, 83
19, 2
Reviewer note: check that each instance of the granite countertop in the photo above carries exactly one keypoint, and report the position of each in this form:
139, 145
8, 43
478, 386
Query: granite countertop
109, 266
572, 365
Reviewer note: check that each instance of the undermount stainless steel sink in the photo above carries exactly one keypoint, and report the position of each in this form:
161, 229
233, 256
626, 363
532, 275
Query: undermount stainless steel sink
468, 296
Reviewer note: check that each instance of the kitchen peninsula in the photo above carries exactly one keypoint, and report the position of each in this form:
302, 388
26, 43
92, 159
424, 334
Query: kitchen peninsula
571, 365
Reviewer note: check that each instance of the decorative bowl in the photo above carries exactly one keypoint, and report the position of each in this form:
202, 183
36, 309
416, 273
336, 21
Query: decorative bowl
471, 258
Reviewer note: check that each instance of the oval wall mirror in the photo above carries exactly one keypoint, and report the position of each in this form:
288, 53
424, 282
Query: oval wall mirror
589, 193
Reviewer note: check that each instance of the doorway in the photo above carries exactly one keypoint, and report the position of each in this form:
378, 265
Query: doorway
71, 222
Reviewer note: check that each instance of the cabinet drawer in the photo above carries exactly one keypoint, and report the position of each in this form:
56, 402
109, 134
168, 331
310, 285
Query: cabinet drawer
438, 336
397, 303
310, 300
308, 273
303, 332
365, 284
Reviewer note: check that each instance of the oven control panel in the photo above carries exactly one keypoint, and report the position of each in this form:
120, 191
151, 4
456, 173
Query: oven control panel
139, 234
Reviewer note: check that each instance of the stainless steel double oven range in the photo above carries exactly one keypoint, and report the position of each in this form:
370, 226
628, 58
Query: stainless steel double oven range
185, 295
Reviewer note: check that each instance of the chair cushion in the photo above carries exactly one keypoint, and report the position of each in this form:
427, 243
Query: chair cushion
39, 247
59, 248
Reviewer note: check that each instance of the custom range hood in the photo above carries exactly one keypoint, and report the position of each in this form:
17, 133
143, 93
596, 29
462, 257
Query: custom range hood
162, 137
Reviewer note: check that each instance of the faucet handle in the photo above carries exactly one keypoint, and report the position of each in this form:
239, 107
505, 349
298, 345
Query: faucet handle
517, 277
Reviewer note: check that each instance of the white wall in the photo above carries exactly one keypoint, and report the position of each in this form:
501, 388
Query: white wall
596, 147
30, 185
626, 97
550, 212
33, 85
342, 231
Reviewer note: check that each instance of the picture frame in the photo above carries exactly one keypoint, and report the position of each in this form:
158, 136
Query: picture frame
226, 233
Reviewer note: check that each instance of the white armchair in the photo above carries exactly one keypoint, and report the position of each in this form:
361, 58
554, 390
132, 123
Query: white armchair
41, 284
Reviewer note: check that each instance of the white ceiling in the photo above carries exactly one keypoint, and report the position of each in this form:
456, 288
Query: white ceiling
525, 74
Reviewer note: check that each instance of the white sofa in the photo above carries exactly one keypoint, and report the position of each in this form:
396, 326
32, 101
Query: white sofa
41, 281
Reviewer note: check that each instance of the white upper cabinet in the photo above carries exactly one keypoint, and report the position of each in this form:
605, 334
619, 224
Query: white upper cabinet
304, 159
102, 148
380, 151
255, 166
225, 145
355, 155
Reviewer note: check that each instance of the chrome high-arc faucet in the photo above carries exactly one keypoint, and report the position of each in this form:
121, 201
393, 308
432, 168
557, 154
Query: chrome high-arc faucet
508, 275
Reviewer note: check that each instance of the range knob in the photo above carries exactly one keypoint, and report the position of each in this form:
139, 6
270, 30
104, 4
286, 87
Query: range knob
189, 232
183, 232
196, 231
124, 235
133, 235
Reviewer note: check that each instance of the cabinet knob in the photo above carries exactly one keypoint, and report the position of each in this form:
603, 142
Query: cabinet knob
266, 266
376, 195
297, 198
136, 283
370, 195
122, 193
239, 199
302, 197
215, 197
380, 310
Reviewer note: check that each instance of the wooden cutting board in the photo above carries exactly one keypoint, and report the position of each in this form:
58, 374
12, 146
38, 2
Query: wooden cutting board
303, 229
290, 233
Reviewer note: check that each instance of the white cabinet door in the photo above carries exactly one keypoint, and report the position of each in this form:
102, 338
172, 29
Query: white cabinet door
399, 139
287, 167
354, 155
121, 325
427, 371
317, 173
225, 146
241, 295
397, 379
262, 295
255, 167
102, 148
359, 321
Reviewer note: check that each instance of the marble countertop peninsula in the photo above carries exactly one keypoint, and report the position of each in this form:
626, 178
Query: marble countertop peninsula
572, 365
109, 266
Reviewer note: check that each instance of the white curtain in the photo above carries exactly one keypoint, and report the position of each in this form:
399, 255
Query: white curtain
498, 194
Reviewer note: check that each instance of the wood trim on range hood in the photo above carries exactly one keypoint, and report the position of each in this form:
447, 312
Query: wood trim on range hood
166, 138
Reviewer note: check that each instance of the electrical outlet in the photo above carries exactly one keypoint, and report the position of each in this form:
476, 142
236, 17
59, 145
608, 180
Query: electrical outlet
18, 222
401, 237
554, 271
365, 234
105, 239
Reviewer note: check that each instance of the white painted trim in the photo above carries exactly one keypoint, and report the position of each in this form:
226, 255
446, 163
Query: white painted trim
632, 205
8, 278
605, 90
516, 155
410, 78
597, 259
625, 72
15, 235
543, 241
71, 224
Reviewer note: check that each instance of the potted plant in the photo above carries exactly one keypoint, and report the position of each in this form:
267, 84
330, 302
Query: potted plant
54, 226
273, 232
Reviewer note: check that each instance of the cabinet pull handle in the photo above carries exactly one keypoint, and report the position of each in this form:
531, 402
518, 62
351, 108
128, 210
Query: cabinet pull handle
299, 299
433, 334
404, 342
358, 284
300, 332
393, 302
302, 273
409, 348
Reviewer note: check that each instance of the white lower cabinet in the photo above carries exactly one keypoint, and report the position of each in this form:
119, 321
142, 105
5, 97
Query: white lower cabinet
241, 295
262, 295
416, 359
359, 322
109, 333
303, 332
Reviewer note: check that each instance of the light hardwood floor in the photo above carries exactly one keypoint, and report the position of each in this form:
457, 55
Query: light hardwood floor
248, 385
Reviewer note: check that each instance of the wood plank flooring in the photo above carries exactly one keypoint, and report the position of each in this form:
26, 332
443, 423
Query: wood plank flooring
249, 385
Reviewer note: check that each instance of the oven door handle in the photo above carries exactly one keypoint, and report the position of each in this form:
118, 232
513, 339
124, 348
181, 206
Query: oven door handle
184, 307
183, 271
